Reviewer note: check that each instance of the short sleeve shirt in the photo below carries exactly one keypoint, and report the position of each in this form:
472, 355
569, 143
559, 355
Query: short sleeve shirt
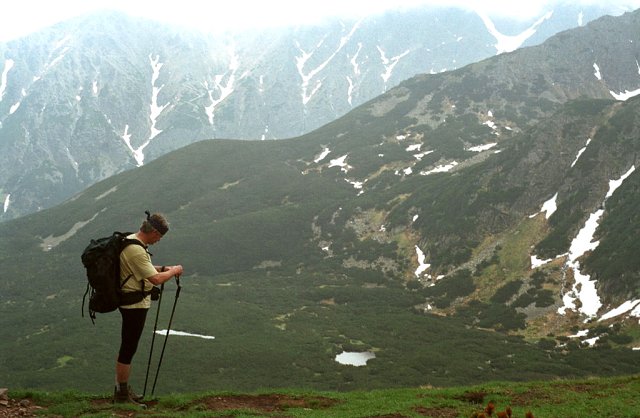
135, 261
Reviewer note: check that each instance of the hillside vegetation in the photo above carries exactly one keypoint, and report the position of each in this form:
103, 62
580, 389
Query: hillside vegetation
287, 267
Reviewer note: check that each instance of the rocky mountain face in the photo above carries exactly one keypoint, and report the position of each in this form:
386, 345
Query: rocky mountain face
97, 95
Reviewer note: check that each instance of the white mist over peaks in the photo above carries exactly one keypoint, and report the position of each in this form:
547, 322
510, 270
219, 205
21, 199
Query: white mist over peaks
19, 19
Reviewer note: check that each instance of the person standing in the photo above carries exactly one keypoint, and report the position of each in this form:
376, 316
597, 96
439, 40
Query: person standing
137, 273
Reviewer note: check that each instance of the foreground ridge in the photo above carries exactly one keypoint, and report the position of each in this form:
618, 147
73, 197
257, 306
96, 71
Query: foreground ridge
567, 398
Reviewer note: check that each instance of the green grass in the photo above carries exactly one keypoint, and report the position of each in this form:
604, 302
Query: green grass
602, 397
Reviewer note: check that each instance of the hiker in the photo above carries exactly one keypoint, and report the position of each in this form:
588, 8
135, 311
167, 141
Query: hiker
138, 273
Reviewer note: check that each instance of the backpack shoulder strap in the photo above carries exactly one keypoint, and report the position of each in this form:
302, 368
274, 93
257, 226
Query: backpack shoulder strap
129, 241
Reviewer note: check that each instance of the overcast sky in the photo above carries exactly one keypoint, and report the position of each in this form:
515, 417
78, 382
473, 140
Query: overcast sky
20, 17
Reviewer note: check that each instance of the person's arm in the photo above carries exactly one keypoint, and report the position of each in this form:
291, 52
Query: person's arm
166, 275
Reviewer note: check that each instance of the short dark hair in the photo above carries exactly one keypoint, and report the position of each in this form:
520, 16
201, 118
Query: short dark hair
155, 222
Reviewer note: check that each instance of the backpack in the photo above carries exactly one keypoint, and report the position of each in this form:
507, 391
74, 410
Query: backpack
101, 258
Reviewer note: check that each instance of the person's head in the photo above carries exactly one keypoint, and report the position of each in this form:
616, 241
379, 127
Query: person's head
154, 227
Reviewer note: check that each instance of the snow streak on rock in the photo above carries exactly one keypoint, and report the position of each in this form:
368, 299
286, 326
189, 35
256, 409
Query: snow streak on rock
508, 43
8, 65
422, 265
356, 73
622, 309
322, 155
597, 71
550, 206
389, 64
224, 84
584, 289
156, 65
137, 152
440, 169
7, 201
307, 76
626, 95
583, 149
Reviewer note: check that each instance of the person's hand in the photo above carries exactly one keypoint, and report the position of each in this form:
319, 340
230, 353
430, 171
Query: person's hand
177, 270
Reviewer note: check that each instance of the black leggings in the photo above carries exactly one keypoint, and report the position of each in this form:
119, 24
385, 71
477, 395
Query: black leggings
132, 326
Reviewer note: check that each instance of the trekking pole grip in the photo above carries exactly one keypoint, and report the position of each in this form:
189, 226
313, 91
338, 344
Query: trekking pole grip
179, 287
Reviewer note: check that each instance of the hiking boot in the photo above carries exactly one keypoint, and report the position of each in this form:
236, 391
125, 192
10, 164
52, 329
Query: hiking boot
134, 396
127, 396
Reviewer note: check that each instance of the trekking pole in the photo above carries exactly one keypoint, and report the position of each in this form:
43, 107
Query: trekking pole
153, 339
175, 301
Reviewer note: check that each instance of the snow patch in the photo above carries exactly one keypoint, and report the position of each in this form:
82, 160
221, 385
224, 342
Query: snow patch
155, 110
350, 90
218, 84
389, 64
421, 155
584, 288
614, 184
480, 148
340, 162
185, 334
506, 43
623, 96
622, 309
137, 152
356, 72
422, 265
14, 108
536, 262
8, 65
307, 91
583, 149
325, 151
263, 137
358, 185
550, 206
7, 202
592, 341
597, 71
440, 169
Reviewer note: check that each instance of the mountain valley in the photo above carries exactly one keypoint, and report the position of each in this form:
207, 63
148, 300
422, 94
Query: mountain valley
468, 226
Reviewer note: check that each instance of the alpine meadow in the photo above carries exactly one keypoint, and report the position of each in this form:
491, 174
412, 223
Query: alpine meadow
470, 226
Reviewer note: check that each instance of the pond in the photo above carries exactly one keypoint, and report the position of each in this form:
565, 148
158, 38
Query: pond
355, 358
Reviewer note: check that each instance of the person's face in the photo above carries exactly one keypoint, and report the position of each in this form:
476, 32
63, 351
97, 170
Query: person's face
155, 237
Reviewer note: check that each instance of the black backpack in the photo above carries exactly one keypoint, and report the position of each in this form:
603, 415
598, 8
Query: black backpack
101, 258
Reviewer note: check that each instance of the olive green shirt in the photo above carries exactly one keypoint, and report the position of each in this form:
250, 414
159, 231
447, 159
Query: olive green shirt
136, 261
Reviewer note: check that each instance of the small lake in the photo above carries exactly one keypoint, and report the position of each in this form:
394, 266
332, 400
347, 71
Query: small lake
355, 358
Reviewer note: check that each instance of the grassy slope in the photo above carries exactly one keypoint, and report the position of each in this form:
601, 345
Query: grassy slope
603, 397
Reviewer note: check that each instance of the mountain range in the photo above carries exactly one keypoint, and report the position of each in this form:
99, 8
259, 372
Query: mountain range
472, 225
135, 89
